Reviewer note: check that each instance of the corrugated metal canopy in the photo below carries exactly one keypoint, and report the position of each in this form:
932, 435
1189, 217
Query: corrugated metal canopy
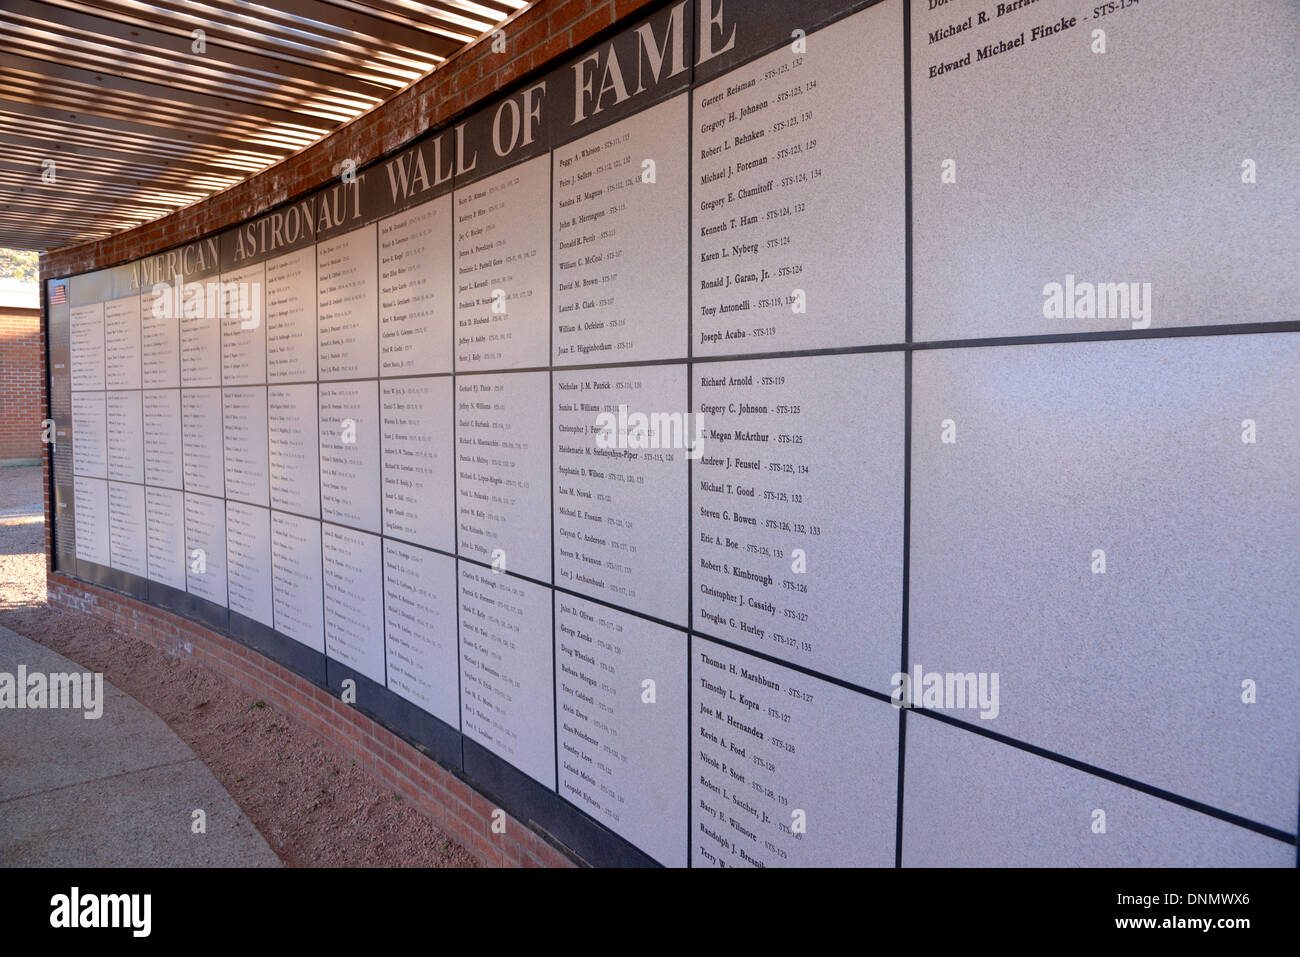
139, 118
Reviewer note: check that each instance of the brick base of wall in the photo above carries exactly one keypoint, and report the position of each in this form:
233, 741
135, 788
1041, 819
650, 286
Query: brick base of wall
457, 807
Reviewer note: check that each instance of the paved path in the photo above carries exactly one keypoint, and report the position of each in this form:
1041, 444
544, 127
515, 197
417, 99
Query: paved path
117, 791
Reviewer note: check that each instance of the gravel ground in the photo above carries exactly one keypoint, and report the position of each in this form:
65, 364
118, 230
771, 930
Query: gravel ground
22, 539
315, 808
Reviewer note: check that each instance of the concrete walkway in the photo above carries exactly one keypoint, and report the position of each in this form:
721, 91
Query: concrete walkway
117, 791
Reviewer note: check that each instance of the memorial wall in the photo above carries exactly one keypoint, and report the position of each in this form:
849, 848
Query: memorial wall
780, 433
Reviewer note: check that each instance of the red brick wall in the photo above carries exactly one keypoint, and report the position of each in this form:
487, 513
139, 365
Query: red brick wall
21, 388
457, 807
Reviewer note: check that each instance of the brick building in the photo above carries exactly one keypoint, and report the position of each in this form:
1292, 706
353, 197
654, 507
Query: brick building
20, 373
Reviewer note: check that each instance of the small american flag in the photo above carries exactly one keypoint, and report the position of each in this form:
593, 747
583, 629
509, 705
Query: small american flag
58, 293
